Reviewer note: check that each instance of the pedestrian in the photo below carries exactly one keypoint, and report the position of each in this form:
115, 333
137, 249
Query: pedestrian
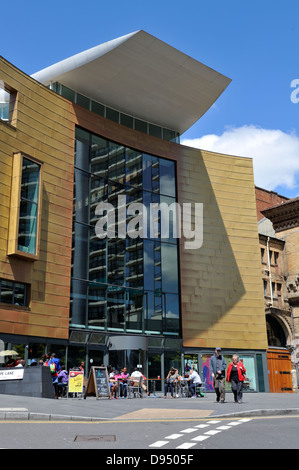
236, 376
62, 381
54, 364
217, 368
46, 358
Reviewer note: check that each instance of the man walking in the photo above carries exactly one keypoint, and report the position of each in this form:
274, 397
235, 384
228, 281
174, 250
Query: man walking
217, 368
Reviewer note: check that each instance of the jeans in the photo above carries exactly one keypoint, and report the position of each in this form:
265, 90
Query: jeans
123, 389
169, 384
192, 388
237, 389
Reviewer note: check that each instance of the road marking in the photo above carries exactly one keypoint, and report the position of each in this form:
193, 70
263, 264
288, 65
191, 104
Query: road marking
186, 445
189, 430
200, 438
159, 444
13, 409
174, 436
212, 433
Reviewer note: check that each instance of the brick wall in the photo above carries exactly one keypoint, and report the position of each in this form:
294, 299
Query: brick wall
266, 199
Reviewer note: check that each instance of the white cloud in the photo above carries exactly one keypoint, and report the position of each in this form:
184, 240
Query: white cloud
275, 153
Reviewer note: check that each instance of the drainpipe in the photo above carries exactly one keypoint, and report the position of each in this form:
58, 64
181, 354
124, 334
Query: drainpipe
269, 267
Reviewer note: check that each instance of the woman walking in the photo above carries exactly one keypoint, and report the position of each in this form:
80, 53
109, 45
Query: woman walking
236, 376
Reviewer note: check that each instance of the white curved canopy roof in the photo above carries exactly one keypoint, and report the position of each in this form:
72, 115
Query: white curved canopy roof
144, 77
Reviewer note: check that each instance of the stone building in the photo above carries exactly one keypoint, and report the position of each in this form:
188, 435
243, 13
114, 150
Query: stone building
285, 221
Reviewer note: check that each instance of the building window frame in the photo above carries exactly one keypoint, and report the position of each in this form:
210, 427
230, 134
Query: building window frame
8, 100
15, 208
14, 294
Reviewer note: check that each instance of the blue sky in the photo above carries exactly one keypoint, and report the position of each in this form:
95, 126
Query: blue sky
254, 43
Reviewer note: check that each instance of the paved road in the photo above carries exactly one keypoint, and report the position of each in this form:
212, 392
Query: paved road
162, 437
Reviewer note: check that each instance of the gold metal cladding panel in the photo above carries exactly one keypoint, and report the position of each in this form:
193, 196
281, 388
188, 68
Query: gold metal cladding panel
44, 130
220, 282
231, 287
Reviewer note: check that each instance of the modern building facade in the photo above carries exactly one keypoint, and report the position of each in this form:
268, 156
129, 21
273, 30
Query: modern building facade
84, 144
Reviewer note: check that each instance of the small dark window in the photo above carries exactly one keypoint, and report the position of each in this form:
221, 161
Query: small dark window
13, 293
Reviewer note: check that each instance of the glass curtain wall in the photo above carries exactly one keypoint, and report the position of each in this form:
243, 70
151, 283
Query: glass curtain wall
123, 283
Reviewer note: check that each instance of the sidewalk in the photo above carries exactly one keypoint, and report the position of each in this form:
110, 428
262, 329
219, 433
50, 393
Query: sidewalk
90, 409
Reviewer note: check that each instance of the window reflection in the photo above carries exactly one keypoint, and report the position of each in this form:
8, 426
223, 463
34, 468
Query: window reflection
7, 103
28, 216
14, 293
122, 284
167, 177
169, 268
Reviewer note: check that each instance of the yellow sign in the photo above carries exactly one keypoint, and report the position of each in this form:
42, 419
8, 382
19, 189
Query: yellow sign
76, 381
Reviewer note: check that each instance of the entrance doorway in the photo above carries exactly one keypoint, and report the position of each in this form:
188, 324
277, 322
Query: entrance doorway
279, 370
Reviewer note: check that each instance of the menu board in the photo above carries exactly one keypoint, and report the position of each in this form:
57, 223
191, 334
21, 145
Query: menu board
76, 381
98, 383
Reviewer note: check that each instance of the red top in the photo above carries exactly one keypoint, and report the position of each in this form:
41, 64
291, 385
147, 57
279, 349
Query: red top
241, 371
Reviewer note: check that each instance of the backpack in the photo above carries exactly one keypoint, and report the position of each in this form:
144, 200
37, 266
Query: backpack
52, 366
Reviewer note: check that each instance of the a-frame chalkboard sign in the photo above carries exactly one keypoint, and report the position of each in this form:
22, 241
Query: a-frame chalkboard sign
98, 383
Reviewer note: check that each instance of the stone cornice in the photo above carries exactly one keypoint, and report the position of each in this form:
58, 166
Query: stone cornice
284, 216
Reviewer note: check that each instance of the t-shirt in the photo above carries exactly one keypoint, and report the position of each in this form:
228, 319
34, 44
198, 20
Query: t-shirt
124, 377
234, 374
136, 375
194, 378
173, 377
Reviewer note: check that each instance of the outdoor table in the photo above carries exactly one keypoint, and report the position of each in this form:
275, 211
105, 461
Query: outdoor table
153, 385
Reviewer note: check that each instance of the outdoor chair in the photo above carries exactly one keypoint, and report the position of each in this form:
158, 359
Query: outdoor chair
135, 388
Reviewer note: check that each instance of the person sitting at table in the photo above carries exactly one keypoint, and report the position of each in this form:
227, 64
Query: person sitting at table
144, 386
171, 378
180, 384
112, 382
194, 381
136, 375
123, 383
